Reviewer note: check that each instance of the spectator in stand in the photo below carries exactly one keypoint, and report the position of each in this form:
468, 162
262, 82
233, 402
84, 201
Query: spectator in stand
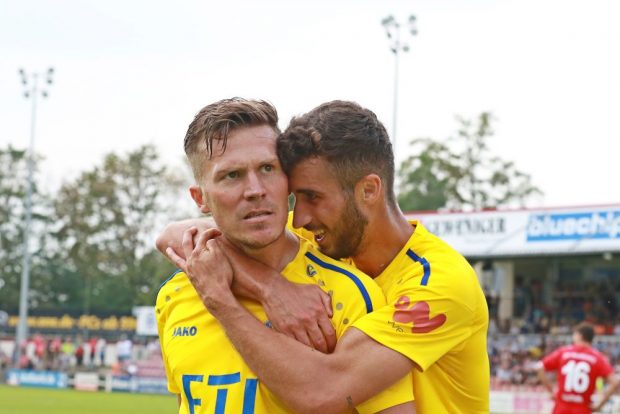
124, 349
4, 360
25, 362
92, 350
54, 347
504, 373
523, 298
30, 353
39, 350
153, 349
79, 352
67, 349
100, 351
578, 366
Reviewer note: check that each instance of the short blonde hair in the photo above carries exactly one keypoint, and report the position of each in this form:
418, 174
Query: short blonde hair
216, 121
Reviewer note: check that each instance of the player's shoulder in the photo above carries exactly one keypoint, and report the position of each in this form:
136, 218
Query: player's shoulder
342, 276
426, 248
172, 281
433, 267
565, 348
598, 354
330, 265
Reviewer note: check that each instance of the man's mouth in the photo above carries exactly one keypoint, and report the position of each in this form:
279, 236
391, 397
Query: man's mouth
257, 213
319, 236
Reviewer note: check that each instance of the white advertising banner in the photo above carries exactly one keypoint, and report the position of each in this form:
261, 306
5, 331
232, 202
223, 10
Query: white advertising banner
528, 232
146, 323
535, 402
86, 381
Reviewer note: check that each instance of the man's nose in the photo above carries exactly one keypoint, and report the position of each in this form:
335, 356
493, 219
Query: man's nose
254, 187
301, 216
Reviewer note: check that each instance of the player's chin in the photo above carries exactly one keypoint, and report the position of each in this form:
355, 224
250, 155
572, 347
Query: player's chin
262, 239
329, 250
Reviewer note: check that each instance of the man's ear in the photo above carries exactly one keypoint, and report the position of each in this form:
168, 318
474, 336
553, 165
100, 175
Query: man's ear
369, 189
198, 196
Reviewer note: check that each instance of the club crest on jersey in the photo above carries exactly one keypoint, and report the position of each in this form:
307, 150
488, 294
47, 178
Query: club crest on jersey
310, 270
185, 331
419, 313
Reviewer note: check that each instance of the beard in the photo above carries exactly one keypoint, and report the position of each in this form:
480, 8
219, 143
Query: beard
347, 235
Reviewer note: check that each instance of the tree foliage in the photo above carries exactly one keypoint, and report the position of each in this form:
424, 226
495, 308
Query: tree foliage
105, 222
93, 239
461, 173
13, 188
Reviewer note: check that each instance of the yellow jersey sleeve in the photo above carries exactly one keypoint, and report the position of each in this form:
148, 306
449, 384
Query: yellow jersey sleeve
397, 394
300, 232
161, 328
423, 322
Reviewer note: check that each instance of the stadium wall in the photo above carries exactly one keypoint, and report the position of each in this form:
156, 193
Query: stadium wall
534, 402
87, 381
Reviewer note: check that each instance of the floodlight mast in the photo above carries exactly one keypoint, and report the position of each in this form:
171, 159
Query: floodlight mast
392, 30
31, 91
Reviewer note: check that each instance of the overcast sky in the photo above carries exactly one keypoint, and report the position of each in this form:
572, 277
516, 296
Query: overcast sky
135, 72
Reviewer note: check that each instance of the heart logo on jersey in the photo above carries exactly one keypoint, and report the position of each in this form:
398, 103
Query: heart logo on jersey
419, 314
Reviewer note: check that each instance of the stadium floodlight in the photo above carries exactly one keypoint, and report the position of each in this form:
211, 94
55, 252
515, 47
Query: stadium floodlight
31, 91
392, 30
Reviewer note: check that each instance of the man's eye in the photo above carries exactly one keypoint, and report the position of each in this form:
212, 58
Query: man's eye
232, 174
268, 168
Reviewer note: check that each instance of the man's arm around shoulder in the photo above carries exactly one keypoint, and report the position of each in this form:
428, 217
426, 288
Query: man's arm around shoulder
332, 383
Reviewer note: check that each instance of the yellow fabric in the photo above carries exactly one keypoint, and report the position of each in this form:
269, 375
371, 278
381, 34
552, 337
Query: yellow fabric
197, 354
437, 316
301, 232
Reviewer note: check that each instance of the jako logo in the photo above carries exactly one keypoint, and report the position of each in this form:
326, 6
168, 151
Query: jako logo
185, 331
574, 226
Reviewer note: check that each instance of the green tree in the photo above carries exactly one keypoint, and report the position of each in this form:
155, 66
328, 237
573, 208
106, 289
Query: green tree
13, 187
106, 218
461, 173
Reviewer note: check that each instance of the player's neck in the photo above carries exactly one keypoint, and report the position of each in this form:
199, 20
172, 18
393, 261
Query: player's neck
386, 234
278, 254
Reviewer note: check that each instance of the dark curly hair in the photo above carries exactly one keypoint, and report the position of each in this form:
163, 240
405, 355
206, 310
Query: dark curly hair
351, 138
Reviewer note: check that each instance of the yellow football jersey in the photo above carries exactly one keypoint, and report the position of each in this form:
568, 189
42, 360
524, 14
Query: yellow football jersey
437, 316
203, 366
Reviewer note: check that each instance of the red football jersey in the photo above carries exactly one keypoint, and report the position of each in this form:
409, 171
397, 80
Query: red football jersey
578, 368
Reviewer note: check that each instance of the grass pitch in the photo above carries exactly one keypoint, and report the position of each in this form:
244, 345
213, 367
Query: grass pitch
24, 400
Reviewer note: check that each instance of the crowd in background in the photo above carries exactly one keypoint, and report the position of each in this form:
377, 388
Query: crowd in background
595, 302
513, 357
540, 326
71, 353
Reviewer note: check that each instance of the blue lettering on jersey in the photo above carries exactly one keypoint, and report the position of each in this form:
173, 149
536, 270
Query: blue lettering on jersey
191, 401
185, 331
222, 382
249, 395
222, 393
